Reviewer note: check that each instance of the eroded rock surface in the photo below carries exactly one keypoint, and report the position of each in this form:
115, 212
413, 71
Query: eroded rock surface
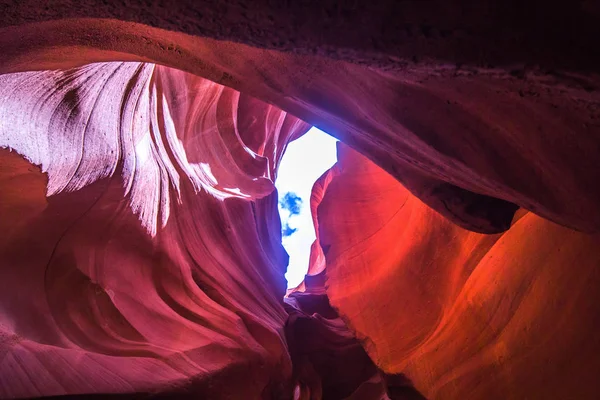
143, 270
463, 315
141, 251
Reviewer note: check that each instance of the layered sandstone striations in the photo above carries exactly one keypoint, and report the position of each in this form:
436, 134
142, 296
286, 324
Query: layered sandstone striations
463, 315
140, 247
131, 261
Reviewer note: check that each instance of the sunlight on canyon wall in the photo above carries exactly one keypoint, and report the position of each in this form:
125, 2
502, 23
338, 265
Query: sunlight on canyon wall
456, 237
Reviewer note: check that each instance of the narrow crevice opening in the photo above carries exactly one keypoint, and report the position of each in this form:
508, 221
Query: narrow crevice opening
304, 161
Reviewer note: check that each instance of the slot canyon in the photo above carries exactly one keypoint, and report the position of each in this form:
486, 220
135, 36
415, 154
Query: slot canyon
457, 251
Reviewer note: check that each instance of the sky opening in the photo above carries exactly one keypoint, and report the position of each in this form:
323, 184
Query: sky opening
304, 161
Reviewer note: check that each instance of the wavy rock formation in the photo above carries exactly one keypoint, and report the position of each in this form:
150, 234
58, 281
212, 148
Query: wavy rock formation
155, 125
91, 303
141, 247
458, 137
463, 315
138, 271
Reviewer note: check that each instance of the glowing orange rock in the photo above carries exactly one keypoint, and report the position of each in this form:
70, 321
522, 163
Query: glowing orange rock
463, 315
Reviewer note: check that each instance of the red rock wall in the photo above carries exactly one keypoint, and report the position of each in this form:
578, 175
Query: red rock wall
463, 315
140, 248
470, 141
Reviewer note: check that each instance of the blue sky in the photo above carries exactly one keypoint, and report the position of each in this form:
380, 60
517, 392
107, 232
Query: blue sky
303, 163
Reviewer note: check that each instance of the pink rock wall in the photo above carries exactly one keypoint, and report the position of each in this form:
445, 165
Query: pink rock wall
141, 249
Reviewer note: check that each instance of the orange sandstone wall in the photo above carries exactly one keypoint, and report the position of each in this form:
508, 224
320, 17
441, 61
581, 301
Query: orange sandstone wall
463, 315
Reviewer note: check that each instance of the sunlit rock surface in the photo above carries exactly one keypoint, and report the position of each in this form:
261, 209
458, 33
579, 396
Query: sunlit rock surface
141, 270
141, 247
463, 315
